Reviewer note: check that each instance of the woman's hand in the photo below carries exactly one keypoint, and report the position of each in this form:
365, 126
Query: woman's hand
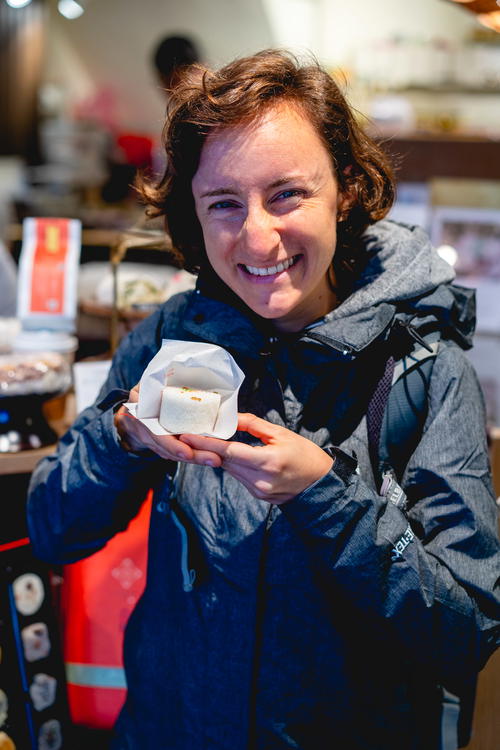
135, 437
278, 470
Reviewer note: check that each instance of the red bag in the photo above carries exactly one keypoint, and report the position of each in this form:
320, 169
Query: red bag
98, 594
137, 149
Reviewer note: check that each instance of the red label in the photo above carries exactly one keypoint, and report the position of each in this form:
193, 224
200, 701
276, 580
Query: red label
49, 259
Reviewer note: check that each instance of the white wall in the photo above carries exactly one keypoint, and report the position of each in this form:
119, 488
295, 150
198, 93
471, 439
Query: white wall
295, 24
346, 27
110, 45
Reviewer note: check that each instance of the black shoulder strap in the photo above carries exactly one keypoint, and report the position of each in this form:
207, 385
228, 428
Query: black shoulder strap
398, 408
375, 416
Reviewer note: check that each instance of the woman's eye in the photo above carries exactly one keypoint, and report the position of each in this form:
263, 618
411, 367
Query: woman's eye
292, 193
221, 205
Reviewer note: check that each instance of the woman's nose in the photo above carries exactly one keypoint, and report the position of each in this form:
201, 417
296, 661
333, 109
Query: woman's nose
260, 232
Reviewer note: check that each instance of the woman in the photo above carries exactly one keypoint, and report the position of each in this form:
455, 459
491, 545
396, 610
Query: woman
313, 612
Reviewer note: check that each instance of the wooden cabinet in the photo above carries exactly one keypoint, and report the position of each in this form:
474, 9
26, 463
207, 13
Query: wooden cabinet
421, 158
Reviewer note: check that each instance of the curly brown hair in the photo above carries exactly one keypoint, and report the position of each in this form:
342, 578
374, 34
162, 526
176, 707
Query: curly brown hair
239, 93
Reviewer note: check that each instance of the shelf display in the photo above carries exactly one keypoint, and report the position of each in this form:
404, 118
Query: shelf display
33, 703
474, 235
27, 381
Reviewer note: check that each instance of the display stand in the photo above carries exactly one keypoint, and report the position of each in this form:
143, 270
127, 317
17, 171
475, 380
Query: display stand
33, 691
32, 680
132, 239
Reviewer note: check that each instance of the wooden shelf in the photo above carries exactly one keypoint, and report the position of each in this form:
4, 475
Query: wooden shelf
97, 237
60, 413
23, 462
422, 157
450, 88
127, 314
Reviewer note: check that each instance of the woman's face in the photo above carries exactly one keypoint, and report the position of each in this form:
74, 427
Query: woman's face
267, 199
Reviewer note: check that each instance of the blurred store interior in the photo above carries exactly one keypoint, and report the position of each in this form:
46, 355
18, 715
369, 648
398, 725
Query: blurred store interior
82, 108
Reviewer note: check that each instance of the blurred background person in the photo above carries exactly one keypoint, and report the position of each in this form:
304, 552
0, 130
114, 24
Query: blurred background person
171, 55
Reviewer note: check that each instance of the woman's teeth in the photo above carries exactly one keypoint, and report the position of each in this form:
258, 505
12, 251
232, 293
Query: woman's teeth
271, 269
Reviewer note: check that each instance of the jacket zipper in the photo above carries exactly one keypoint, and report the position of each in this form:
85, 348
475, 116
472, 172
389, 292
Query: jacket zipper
188, 574
260, 599
259, 627
339, 346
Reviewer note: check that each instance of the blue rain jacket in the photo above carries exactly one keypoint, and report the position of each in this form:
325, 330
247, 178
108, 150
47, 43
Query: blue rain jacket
337, 619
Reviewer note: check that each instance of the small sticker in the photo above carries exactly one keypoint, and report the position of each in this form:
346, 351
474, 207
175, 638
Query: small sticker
29, 593
35, 641
43, 691
50, 736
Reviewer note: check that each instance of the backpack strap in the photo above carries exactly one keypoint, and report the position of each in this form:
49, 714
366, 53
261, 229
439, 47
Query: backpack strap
375, 415
398, 407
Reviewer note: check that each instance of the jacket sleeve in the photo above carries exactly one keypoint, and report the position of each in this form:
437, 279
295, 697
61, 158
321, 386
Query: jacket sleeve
429, 572
80, 496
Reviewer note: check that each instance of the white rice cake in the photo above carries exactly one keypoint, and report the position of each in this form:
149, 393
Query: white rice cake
188, 410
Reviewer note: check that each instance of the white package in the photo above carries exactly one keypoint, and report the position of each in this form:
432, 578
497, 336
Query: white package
194, 365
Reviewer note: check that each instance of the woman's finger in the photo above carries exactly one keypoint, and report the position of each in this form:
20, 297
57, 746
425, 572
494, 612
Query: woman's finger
229, 450
134, 394
135, 436
206, 458
258, 427
179, 451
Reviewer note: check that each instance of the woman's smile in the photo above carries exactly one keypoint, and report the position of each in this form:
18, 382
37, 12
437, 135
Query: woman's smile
269, 273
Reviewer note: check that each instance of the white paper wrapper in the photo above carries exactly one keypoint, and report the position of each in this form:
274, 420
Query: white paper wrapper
195, 365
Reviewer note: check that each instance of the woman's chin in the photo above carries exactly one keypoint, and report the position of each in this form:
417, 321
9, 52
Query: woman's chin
284, 317
270, 310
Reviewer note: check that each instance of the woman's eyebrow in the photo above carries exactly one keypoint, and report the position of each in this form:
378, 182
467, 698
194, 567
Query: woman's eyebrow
231, 191
285, 180
218, 191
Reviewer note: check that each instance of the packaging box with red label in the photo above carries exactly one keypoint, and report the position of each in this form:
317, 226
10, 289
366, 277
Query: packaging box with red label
48, 270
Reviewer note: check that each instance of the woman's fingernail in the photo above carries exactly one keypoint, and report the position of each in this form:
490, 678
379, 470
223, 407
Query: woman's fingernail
209, 462
182, 456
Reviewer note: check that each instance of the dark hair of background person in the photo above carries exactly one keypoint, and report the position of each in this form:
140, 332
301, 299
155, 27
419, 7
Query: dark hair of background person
171, 55
239, 93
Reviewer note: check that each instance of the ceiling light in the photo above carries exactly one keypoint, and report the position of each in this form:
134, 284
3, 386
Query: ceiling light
70, 9
448, 253
18, 3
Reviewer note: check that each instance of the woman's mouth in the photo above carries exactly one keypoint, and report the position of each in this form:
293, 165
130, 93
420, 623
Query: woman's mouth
269, 270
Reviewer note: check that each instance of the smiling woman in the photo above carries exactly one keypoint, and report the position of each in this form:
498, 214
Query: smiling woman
298, 588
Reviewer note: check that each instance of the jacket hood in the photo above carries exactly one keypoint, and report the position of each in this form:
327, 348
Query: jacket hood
403, 276
401, 265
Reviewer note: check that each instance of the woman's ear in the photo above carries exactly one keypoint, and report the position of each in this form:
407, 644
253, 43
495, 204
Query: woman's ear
344, 204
